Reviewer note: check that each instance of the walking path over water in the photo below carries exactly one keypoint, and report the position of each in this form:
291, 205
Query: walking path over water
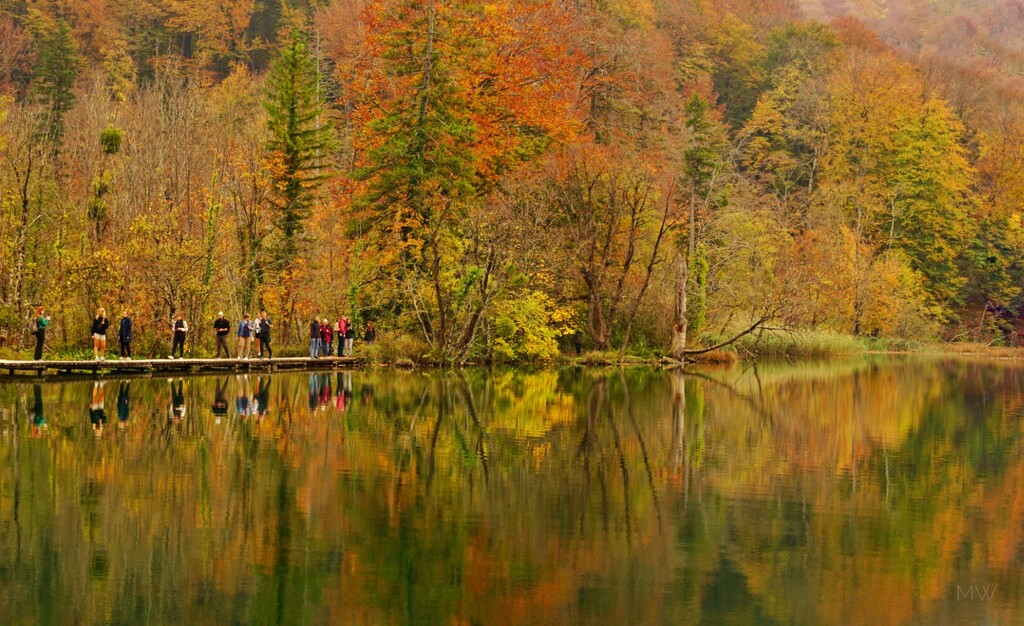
40, 368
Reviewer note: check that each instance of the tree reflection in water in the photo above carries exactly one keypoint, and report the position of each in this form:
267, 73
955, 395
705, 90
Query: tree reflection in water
849, 492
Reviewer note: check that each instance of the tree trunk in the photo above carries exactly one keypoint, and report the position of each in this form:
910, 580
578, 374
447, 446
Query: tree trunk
21, 246
682, 270
678, 382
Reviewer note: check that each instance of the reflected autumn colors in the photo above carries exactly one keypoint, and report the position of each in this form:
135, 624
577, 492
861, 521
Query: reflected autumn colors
867, 491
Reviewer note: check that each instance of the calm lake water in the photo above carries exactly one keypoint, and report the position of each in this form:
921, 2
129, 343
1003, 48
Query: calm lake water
867, 491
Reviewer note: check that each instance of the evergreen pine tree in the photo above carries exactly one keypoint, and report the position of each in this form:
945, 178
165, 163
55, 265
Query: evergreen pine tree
55, 79
301, 139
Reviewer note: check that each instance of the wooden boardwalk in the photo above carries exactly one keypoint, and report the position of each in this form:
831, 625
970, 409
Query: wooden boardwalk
115, 366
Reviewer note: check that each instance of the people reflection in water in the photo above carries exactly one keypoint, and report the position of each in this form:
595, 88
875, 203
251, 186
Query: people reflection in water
220, 401
123, 405
178, 408
262, 400
319, 391
344, 398
325, 391
97, 414
243, 405
38, 417
314, 391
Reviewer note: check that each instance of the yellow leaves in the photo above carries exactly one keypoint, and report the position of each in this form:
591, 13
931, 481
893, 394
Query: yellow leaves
527, 327
896, 303
219, 28
234, 100
530, 406
5, 101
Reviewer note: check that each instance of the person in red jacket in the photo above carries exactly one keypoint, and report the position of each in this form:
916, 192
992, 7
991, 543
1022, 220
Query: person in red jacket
326, 337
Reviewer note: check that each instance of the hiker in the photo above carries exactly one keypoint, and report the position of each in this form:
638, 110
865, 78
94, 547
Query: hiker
342, 328
256, 334
265, 327
124, 335
350, 336
326, 337
38, 328
314, 338
180, 327
244, 337
100, 323
370, 335
222, 327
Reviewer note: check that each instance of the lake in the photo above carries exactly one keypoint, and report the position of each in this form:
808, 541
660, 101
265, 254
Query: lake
874, 490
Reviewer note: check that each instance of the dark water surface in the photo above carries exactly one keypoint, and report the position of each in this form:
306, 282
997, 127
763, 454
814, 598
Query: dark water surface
865, 491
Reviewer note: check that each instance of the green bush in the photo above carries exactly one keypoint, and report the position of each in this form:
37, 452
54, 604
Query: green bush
392, 348
111, 139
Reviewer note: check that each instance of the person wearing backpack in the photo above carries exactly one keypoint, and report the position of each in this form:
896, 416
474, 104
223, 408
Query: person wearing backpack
100, 323
38, 328
124, 335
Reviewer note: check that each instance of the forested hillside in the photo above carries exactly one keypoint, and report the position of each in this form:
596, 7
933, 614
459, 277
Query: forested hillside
502, 178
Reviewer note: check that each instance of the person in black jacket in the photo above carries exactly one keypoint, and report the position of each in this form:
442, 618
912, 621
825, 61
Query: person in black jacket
124, 335
180, 327
100, 323
314, 338
222, 327
265, 327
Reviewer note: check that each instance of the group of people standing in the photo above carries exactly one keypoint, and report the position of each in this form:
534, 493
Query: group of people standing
250, 331
322, 335
252, 335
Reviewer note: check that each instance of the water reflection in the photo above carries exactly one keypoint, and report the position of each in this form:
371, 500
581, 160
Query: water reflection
178, 409
859, 492
38, 415
124, 404
220, 401
97, 414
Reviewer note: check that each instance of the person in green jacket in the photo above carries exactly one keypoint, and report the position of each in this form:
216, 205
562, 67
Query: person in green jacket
39, 328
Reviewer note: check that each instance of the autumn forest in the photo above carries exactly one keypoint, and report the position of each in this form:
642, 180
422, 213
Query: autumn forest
506, 179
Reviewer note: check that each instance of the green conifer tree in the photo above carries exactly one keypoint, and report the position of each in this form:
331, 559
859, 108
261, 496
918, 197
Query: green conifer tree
301, 139
55, 78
